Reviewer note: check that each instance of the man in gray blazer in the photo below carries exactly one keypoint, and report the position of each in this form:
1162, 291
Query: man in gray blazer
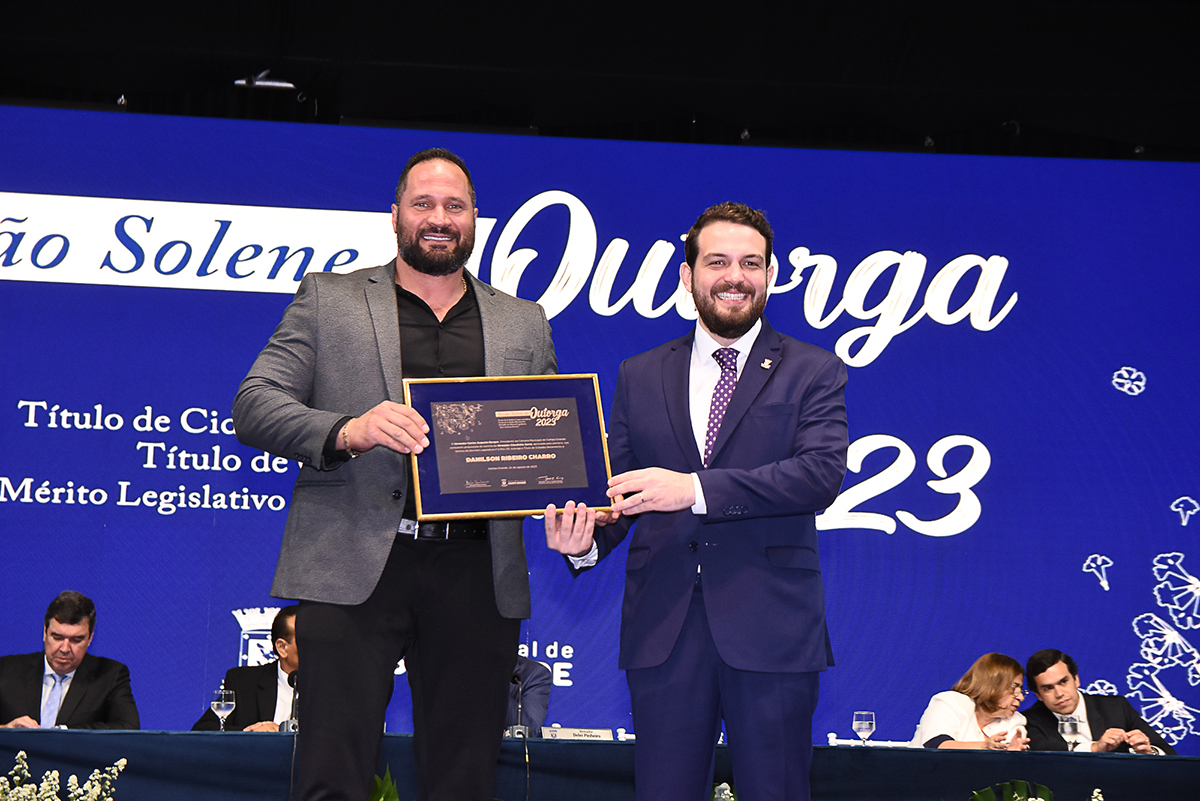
374, 586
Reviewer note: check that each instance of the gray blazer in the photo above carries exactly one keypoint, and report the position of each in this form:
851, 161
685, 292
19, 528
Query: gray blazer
337, 352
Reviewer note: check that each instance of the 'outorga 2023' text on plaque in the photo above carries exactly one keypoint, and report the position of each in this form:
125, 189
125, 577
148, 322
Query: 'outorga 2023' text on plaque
501, 446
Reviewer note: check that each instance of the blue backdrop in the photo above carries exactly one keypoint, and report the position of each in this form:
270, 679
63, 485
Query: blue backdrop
1021, 336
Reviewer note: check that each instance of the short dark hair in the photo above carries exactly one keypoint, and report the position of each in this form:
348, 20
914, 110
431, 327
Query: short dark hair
70, 608
1045, 659
280, 626
431, 154
989, 679
738, 213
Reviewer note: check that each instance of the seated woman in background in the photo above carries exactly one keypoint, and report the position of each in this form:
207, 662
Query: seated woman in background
981, 710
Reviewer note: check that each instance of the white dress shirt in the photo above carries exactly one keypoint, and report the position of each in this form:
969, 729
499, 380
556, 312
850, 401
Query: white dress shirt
283, 696
703, 376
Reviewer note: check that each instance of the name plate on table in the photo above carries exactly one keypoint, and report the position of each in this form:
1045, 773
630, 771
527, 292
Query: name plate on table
565, 733
508, 446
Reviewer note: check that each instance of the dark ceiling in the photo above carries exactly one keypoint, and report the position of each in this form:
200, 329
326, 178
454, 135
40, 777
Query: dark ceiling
1077, 79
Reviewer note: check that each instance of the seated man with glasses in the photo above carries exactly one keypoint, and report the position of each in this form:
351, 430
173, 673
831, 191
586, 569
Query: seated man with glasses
1064, 719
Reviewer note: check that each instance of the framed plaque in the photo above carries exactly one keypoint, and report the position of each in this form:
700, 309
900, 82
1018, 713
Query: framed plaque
507, 446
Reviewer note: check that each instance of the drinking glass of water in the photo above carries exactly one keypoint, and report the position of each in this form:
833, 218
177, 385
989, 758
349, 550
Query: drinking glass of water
1069, 729
864, 725
222, 704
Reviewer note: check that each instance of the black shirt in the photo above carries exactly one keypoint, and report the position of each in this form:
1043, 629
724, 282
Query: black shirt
430, 348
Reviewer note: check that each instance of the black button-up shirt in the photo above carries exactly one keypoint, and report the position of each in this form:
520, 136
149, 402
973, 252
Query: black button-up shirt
430, 348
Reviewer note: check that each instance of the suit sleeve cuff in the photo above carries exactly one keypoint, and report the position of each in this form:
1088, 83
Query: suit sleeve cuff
589, 559
700, 507
330, 452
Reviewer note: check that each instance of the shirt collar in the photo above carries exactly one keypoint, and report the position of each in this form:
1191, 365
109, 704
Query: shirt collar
48, 671
704, 345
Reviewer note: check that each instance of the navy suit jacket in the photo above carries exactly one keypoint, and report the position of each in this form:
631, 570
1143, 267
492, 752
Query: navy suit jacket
1103, 712
99, 696
779, 458
256, 690
530, 690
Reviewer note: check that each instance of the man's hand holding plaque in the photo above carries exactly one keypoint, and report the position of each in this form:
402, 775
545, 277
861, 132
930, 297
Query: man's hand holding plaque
570, 531
652, 489
393, 425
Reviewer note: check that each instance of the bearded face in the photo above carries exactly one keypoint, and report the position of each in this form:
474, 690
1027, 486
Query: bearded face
436, 249
730, 279
720, 318
434, 218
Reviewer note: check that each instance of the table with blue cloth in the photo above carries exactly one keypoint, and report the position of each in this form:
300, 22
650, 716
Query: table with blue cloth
245, 766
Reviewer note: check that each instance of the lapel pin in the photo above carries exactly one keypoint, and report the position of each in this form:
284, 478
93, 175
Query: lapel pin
766, 364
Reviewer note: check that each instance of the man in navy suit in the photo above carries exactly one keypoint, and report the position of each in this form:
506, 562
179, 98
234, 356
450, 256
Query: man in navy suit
1099, 722
722, 461
63, 686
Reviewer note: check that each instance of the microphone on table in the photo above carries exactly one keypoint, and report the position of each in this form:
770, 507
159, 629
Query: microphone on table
292, 724
518, 730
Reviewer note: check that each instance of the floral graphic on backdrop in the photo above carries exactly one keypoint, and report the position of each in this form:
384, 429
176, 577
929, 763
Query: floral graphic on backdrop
1166, 653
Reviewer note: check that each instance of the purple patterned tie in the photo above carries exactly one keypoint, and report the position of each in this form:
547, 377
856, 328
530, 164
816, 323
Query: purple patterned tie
727, 358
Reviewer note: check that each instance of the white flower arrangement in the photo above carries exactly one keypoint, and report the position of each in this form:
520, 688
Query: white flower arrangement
18, 785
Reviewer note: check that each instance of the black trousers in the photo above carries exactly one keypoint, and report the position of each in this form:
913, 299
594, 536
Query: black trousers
434, 606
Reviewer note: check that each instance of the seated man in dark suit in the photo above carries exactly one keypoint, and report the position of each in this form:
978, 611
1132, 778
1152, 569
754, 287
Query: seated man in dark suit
262, 694
1093, 722
529, 694
63, 686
